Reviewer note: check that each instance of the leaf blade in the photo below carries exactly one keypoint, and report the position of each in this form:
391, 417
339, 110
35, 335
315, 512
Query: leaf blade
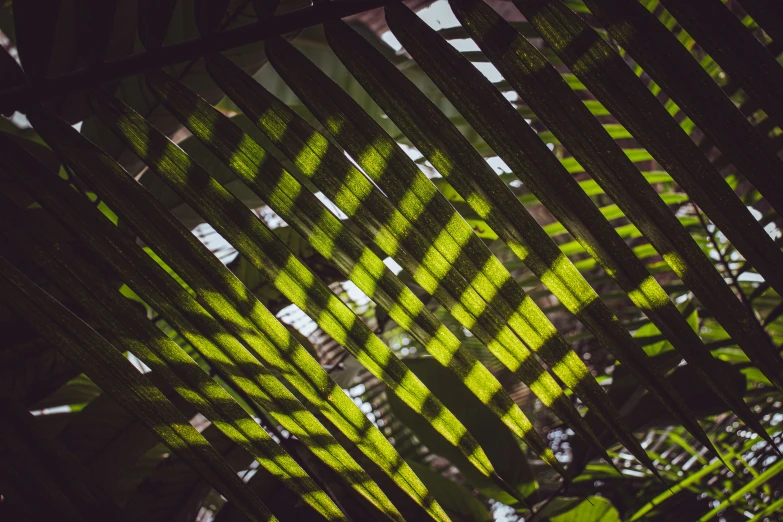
297, 143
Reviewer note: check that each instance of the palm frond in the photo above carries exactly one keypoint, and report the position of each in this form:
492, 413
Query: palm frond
545, 235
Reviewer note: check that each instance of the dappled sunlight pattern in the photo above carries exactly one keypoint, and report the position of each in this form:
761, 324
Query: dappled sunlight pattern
254, 106
337, 319
594, 61
166, 358
290, 368
673, 69
476, 304
647, 288
647, 40
344, 322
509, 135
222, 349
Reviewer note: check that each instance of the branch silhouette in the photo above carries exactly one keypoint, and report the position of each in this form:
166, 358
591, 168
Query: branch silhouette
22, 96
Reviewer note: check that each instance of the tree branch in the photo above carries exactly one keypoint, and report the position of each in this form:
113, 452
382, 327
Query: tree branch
22, 96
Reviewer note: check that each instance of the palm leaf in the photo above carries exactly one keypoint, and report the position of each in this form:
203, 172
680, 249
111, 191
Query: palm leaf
167, 359
571, 369
462, 363
457, 83
170, 161
594, 218
680, 76
90, 161
53, 473
109, 369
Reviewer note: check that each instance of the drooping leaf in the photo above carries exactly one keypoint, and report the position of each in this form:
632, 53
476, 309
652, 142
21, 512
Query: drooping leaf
154, 19
505, 131
455, 498
503, 449
591, 509
560, 110
94, 26
189, 303
35, 35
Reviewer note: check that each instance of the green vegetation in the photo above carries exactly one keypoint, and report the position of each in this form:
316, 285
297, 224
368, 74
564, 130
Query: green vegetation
268, 260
